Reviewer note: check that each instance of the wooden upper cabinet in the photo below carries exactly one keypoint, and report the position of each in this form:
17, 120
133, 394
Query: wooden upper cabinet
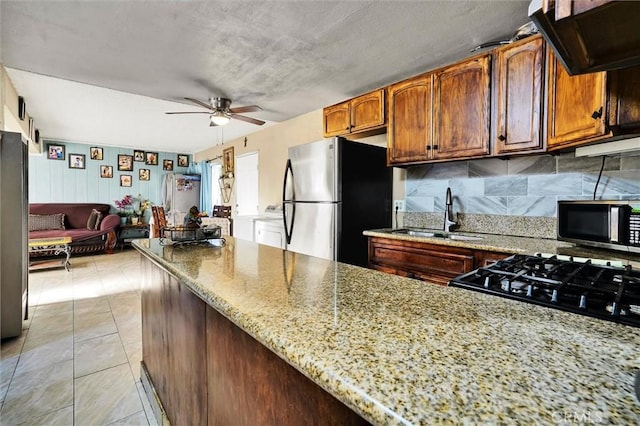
360, 114
461, 119
576, 109
367, 111
518, 86
336, 120
409, 133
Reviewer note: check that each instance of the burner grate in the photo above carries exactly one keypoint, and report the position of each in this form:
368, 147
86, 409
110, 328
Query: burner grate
601, 290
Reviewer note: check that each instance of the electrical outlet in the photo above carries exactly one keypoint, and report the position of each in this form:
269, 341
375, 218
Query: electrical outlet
398, 205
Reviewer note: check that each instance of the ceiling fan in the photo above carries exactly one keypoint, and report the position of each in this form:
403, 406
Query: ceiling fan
221, 112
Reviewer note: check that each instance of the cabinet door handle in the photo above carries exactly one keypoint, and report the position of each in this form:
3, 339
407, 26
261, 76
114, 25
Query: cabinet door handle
502, 138
428, 147
348, 128
435, 147
597, 114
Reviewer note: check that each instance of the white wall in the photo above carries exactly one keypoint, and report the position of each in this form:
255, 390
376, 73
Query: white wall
272, 144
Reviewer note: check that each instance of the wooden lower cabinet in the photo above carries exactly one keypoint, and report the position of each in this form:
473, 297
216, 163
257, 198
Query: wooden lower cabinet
428, 262
206, 370
250, 385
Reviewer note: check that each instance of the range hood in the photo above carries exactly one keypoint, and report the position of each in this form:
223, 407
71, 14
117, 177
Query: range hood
620, 147
590, 35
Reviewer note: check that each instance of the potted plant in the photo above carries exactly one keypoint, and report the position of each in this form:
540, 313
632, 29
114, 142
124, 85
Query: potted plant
125, 208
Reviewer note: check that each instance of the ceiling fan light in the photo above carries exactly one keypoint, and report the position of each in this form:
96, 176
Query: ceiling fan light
219, 118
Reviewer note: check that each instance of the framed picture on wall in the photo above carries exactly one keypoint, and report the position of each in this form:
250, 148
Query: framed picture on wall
138, 155
144, 174
106, 171
95, 153
55, 152
125, 162
76, 161
228, 161
125, 180
183, 160
151, 158
167, 165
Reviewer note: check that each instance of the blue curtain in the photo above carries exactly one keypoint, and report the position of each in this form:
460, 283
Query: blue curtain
206, 202
203, 168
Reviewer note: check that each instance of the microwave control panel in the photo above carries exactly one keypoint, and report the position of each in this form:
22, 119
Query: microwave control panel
634, 227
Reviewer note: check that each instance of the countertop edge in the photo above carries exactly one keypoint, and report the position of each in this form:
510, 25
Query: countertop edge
251, 327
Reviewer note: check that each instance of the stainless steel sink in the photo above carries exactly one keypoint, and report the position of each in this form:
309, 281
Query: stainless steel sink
435, 234
463, 237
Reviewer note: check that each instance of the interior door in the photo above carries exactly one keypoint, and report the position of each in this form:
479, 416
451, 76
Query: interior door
247, 184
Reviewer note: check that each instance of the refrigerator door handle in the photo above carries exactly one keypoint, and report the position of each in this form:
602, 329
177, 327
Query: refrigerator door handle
288, 171
288, 228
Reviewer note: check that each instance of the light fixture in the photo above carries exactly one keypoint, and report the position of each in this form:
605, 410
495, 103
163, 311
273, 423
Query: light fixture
219, 118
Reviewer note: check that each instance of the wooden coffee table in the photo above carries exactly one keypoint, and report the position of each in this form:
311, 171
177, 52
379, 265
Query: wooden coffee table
58, 246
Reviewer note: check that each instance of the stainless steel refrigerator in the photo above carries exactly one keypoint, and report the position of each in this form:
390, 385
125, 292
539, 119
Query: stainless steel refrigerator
333, 190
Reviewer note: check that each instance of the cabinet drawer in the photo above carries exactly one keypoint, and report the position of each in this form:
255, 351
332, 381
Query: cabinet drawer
429, 263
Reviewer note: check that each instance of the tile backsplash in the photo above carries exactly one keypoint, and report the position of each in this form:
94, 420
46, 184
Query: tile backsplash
524, 186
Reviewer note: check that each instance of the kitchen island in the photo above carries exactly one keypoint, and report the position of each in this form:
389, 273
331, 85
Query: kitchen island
393, 350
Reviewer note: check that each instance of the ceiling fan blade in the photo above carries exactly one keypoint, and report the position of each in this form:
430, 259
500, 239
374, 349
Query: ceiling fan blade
190, 112
248, 119
212, 124
248, 108
199, 103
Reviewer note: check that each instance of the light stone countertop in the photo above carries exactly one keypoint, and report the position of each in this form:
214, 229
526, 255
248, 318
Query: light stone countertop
402, 351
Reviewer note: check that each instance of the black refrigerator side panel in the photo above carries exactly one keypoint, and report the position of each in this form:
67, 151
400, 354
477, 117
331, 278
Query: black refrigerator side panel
366, 185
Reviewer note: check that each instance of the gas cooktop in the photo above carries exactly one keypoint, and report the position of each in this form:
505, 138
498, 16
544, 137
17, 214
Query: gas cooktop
584, 286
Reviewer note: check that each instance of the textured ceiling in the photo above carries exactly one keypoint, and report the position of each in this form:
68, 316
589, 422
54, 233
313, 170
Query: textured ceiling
104, 72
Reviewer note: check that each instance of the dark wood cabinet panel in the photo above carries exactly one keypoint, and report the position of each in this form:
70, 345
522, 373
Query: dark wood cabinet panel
173, 321
250, 385
591, 35
461, 117
519, 83
206, 370
624, 114
410, 107
434, 263
419, 260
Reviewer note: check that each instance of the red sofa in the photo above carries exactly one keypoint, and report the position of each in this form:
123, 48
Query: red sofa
76, 216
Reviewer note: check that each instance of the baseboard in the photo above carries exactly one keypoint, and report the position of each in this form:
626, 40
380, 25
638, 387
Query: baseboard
152, 396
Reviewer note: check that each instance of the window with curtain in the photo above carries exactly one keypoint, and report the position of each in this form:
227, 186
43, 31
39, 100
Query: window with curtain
216, 171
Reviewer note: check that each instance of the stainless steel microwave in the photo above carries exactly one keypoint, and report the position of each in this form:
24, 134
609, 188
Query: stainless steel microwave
611, 224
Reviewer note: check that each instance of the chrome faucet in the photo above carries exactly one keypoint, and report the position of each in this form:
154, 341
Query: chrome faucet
449, 223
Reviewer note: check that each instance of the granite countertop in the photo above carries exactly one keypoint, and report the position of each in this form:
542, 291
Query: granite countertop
512, 244
402, 351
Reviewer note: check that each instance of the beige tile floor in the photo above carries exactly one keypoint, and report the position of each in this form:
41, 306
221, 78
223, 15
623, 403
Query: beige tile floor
78, 359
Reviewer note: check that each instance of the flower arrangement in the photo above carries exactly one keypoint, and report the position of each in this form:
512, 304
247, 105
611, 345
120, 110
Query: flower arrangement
125, 206
144, 205
126, 201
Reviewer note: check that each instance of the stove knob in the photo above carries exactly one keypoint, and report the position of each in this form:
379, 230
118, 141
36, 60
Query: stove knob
487, 282
583, 301
615, 310
554, 295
